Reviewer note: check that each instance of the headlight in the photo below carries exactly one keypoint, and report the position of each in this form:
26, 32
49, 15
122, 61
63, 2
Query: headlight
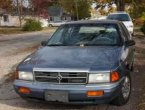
99, 78
131, 26
25, 75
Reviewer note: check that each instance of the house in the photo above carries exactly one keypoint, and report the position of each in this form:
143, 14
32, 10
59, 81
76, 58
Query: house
7, 19
57, 14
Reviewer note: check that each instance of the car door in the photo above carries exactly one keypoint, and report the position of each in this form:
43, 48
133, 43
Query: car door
57, 23
128, 50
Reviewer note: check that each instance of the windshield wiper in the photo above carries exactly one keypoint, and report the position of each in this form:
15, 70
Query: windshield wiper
56, 45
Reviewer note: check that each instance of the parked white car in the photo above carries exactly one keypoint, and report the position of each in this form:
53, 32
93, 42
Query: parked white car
55, 23
125, 18
102, 18
44, 22
99, 18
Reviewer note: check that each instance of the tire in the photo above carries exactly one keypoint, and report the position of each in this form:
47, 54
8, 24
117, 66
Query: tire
123, 97
133, 34
132, 67
50, 25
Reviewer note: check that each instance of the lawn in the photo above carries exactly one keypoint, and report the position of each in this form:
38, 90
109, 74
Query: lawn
10, 30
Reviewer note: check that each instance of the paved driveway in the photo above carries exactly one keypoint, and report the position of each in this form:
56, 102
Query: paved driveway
14, 48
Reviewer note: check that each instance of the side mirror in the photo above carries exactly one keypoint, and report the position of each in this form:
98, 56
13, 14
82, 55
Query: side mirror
130, 43
44, 43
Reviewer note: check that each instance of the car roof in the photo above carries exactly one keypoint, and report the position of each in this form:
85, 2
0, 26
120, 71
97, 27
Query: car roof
119, 12
94, 22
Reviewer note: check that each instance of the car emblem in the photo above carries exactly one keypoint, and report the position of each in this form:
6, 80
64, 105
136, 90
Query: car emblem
59, 77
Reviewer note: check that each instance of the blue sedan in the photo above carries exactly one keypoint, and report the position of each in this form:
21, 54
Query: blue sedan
84, 62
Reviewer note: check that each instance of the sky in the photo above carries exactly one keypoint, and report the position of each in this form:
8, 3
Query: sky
25, 2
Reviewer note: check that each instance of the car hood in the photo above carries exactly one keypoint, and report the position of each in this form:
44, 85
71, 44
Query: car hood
128, 23
92, 58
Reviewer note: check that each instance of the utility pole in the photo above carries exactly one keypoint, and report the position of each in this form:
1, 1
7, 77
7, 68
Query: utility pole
76, 5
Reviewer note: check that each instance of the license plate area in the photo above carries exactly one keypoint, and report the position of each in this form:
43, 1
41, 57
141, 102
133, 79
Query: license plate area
56, 96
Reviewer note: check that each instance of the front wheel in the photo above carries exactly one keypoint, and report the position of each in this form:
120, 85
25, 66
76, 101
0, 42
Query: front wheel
132, 67
124, 95
50, 25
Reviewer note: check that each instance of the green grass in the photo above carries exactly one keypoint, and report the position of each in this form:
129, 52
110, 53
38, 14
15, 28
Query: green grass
10, 30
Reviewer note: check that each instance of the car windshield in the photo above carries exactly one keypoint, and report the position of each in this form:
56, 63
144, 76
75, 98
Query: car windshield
120, 17
85, 34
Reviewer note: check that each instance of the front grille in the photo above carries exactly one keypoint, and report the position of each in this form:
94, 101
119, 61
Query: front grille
61, 77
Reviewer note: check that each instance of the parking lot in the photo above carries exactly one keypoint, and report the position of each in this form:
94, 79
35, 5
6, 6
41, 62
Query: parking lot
14, 48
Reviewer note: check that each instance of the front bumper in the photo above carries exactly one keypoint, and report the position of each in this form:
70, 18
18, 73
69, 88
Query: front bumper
77, 94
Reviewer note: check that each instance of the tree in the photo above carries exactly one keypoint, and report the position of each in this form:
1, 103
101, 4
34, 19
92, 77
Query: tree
6, 5
20, 7
19, 10
138, 8
120, 3
79, 9
40, 7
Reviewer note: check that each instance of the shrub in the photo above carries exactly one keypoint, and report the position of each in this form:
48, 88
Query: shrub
143, 16
139, 21
143, 28
32, 25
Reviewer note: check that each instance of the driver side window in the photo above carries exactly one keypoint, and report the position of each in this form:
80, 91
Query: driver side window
126, 33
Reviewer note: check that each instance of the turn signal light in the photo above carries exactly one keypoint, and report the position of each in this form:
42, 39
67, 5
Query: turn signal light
24, 90
114, 76
95, 93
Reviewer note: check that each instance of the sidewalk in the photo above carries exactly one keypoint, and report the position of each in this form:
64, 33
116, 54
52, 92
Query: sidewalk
4, 37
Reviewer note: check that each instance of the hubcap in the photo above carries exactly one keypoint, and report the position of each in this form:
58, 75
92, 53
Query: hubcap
126, 88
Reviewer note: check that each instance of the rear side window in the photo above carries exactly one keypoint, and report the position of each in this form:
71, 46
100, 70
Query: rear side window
125, 32
119, 17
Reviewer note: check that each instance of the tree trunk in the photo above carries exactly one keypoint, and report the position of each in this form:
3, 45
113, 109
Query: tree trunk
19, 12
0, 20
120, 5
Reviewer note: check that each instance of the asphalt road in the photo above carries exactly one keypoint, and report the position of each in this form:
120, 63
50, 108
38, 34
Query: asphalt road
16, 47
